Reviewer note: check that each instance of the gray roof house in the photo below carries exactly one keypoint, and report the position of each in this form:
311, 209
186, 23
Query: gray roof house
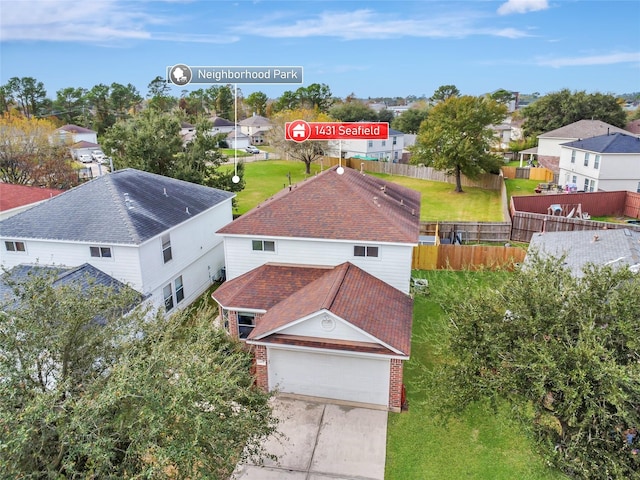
619, 248
154, 233
609, 162
548, 149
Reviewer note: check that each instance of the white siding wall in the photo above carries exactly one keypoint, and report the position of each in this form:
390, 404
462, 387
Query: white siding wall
619, 172
313, 327
124, 263
393, 264
551, 146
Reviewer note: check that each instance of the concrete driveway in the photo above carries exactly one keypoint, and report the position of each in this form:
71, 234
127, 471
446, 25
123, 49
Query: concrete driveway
322, 441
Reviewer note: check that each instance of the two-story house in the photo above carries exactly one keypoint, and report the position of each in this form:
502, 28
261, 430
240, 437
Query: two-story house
255, 128
602, 163
318, 285
154, 233
389, 150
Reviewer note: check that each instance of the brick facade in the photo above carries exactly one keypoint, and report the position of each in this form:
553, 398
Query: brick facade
395, 385
260, 358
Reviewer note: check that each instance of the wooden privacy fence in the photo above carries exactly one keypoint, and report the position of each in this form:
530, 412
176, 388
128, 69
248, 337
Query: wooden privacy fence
486, 180
532, 173
465, 257
469, 231
525, 224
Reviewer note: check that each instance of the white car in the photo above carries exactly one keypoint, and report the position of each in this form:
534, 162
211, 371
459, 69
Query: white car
252, 149
97, 155
85, 158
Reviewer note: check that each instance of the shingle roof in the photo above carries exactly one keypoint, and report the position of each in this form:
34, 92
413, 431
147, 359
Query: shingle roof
75, 129
221, 122
614, 143
85, 277
125, 207
617, 247
583, 129
352, 206
346, 291
255, 121
13, 196
85, 144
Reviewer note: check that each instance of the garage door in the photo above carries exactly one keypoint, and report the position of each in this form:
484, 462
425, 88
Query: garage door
329, 375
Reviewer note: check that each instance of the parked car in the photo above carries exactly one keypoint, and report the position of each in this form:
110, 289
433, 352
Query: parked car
252, 149
85, 158
97, 155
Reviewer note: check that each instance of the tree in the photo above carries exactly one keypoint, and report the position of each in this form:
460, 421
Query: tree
257, 103
28, 93
70, 105
123, 98
563, 350
306, 152
28, 156
225, 106
159, 94
456, 137
445, 92
315, 96
386, 115
409, 121
353, 111
98, 100
149, 141
88, 392
564, 107
503, 96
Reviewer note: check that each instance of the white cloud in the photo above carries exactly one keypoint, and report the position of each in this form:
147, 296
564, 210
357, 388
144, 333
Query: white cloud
609, 59
367, 24
522, 6
98, 22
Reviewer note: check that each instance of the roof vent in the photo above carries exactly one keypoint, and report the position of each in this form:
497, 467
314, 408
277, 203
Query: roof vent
127, 201
595, 238
187, 211
164, 192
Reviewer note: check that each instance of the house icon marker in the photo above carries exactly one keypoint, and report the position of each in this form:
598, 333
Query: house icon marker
299, 131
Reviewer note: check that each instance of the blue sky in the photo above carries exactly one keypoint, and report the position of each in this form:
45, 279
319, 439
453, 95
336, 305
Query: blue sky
371, 48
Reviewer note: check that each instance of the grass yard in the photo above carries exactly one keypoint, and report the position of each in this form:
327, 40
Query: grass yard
439, 201
477, 443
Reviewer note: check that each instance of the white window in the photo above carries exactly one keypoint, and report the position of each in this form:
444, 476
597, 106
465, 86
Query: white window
166, 248
167, 293
246, 322
100, 252
263, 245
370, 144
573, 156
395, 141
586, 184
596, 162
13, 246
364, 251
384, 143
574, 179
179, 289
638, 189
586, 159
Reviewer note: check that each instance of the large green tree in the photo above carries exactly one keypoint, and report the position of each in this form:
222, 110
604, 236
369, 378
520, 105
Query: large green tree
257, 102
88, 392
70, 106
29, 94
456, 137
353, 111
444, 92
564, 107
563, 350
409, 121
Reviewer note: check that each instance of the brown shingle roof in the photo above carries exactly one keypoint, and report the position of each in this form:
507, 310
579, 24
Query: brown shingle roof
13, 196
583, 129
263, 287
287, 294
352, 206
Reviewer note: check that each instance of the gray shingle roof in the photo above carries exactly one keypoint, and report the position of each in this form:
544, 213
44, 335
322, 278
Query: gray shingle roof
125, 207
583, 129
255, 121
617, 247
614, 143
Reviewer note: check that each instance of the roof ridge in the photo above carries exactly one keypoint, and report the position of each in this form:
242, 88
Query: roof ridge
113, 191
341, 272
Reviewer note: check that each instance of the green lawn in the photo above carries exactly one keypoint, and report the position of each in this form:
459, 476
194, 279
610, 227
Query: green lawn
519, 186
439, 201
477, 443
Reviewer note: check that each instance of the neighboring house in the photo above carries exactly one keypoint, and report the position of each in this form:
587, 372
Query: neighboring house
154, 233
17, 198
633, 127
83, 148
619, 248
389, 150
221, 125
237, 140
255, 127
549, 143
74, 134
187, 132
605, 163
318, 283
